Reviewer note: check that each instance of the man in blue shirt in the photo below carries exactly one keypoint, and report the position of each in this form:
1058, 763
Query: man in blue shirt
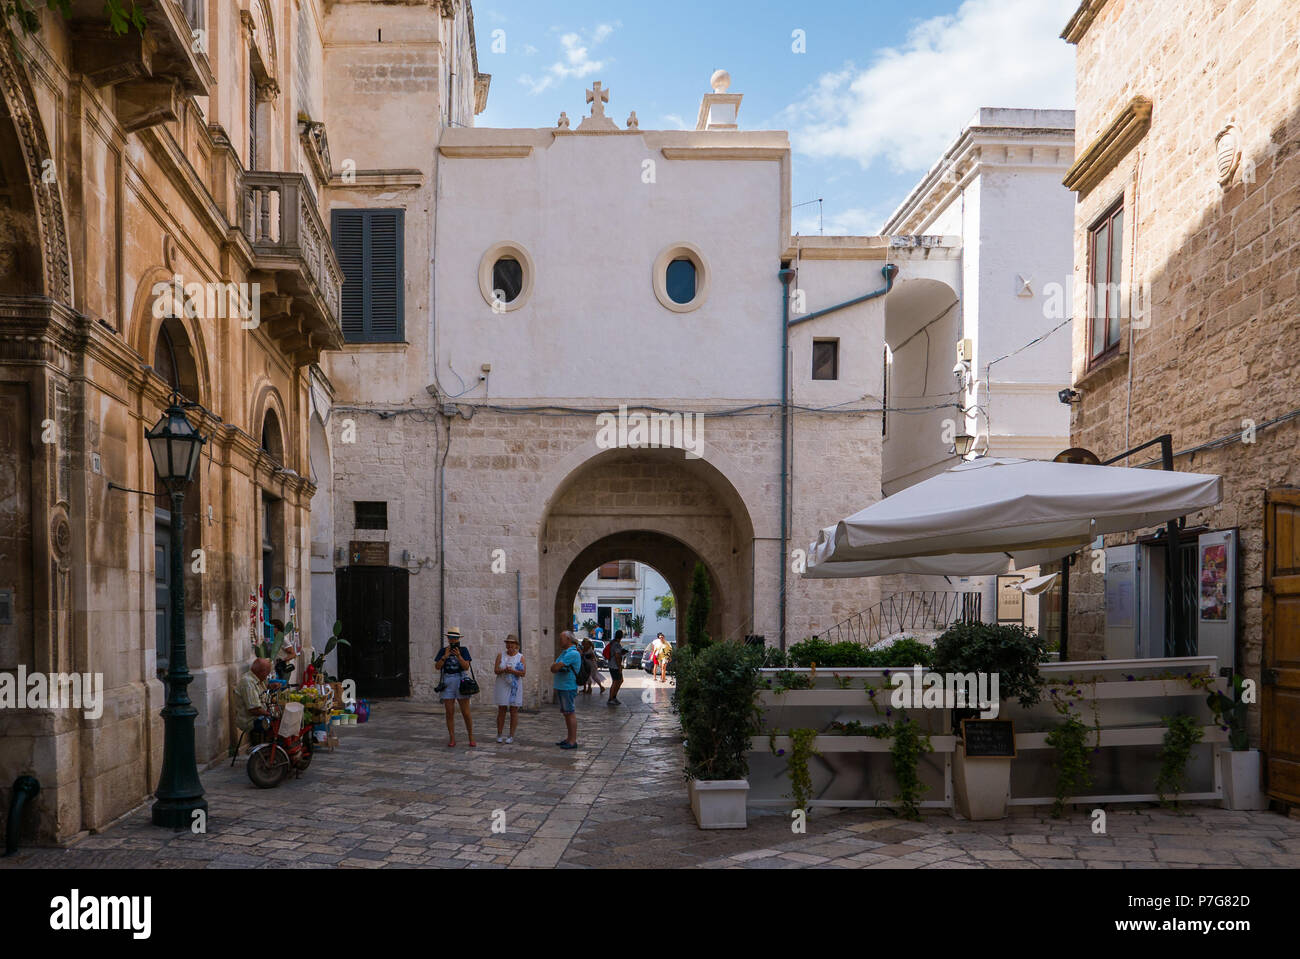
565, 668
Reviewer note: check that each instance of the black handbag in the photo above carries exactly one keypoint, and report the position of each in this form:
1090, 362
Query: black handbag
468, 684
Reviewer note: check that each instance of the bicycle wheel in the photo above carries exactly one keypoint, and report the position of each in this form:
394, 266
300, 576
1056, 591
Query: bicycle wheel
267, 766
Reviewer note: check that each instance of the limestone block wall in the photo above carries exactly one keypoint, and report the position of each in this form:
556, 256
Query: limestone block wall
539, 489
1219, 263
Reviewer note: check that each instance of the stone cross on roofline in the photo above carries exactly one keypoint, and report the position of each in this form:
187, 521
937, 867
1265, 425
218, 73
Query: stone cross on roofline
597, 96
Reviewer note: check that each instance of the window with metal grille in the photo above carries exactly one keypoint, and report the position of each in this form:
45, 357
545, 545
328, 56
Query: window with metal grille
369, 245
826, 360
370, 515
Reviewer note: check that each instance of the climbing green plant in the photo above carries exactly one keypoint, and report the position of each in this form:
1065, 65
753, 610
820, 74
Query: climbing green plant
910, 742
1181, 734
1071, 763
796, 766
1070, 739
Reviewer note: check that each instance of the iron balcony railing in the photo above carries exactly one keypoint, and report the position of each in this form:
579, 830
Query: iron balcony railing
904, 612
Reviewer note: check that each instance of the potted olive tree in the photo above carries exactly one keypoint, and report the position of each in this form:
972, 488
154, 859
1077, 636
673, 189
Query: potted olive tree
715, 699
1239, 765
982, 785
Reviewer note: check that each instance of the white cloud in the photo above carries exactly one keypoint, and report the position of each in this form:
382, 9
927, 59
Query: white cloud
575, 61
675, 122
910, 103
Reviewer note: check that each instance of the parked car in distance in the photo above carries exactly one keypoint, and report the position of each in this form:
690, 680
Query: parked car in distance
634, 653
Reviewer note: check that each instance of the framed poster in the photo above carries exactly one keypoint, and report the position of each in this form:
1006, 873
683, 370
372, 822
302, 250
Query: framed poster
1011, 600
1213, 601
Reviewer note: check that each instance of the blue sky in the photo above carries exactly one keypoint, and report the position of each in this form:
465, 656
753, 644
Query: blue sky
881, 90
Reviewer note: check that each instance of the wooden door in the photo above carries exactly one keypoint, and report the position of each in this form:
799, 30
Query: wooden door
373, 607
1281, 666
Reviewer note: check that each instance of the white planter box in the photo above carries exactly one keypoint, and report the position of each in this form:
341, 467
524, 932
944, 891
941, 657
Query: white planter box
981, 786
719, 804
1240, 774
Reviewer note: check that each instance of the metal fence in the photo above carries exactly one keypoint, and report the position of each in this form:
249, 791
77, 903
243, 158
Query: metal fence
904, 612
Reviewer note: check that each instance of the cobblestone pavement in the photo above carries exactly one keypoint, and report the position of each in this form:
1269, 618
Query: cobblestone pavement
393, 795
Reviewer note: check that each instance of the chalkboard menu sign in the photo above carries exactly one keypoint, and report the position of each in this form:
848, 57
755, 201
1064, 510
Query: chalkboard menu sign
989, 738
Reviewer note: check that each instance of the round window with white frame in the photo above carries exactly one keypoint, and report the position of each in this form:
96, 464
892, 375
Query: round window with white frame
505, 276
681, 278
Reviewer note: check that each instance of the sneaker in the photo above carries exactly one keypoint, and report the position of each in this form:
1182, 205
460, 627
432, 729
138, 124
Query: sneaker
614, 702
562, 742
510, 739
568, 745
500, 739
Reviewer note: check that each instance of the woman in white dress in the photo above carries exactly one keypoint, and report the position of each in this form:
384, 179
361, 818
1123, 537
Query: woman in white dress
510, 671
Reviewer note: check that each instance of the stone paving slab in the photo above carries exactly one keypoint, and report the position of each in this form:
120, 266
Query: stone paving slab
393, 796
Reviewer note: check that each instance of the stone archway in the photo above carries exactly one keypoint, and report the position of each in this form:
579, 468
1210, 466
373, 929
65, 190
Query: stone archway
34, 248
656, 506
669, 557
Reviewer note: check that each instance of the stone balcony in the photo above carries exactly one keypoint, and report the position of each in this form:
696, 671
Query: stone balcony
294, 264
150, 71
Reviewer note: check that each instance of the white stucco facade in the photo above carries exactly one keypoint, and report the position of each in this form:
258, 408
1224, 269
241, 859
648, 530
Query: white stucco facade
998, 188
483, 432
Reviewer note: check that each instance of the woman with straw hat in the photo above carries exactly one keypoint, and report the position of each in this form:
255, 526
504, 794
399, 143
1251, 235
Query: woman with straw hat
509, 691
453, 660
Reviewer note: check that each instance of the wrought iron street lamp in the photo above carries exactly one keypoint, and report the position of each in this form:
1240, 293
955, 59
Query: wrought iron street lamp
176, 445
963, 442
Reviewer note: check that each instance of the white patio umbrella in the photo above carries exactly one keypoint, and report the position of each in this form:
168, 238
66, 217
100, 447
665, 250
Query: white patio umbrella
990, 515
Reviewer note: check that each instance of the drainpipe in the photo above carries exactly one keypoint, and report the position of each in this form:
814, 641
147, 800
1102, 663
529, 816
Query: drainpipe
786, 275
25, 788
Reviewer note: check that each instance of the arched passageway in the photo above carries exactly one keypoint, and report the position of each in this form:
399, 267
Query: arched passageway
671, 558
658, 507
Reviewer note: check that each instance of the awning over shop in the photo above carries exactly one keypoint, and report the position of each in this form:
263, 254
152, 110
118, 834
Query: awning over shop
992, 515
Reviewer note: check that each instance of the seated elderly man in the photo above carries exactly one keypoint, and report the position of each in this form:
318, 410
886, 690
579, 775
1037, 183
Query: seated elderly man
251, 715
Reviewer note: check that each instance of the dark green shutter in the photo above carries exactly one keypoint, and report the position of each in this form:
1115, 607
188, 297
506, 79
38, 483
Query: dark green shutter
385, 274
346, 228
369, 247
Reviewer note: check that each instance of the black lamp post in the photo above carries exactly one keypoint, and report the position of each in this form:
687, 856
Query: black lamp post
175, 446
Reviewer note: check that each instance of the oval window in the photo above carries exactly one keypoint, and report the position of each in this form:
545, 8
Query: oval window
507, 279
680, 280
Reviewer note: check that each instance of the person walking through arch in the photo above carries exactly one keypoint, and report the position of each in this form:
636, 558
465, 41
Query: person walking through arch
615, 653
663, 657
593, 666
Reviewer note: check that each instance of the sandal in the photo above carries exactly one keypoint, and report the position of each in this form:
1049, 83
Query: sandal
472, 743
450, 744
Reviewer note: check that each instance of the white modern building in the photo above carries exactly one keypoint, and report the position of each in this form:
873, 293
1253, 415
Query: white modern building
617, 592
985, 350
